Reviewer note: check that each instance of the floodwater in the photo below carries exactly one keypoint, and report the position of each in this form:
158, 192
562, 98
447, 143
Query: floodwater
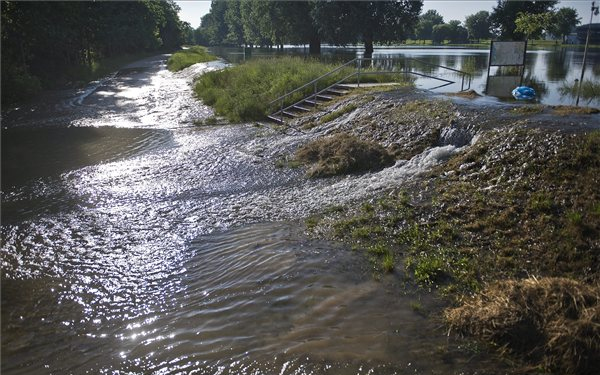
134, 242
546, 70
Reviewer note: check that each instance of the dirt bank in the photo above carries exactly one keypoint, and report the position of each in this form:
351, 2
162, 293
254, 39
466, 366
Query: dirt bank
517, 198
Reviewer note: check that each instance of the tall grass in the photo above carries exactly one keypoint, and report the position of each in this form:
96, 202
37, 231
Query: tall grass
187, 57
243, 92
590, 90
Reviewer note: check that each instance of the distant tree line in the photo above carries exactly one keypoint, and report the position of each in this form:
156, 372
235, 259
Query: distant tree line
43, 42
274, 23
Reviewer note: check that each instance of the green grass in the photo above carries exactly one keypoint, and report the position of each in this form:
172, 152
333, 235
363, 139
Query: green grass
590, 90
187, 57
243, 92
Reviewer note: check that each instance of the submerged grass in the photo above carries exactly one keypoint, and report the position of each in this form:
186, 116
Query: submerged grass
590, 90
188, 57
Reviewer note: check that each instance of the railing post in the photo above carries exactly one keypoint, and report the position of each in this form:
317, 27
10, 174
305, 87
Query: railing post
359, 66
315, 95
281, 112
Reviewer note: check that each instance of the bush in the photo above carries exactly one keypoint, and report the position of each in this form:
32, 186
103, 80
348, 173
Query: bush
187, 57
343, 154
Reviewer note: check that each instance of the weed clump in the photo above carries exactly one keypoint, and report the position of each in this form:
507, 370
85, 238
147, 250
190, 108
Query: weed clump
549, 322
343, 154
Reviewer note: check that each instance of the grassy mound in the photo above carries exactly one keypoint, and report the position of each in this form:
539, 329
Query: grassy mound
552, 322
187, 57
343, 154
243, 92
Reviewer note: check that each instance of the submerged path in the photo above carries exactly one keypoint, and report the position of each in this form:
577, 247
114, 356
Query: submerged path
133, 241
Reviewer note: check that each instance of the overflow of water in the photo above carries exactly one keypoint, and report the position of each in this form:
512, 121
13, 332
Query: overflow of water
132, 243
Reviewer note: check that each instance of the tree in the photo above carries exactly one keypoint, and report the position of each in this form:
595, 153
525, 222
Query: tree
344, 22
451, 31
478, 25
533, 25
505, 13
427, 21
43, 43
565, 19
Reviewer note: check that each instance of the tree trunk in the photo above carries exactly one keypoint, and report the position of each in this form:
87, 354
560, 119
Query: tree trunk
314, 48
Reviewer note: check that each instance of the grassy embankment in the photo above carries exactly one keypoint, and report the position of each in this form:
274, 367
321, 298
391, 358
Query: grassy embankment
509, 230
187, 57
242, 92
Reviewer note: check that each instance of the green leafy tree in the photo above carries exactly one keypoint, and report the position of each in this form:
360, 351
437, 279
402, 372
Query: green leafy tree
427, 21
504, 15
44, 43
565, 19
478, 25
533, 25
451, 31
344, 22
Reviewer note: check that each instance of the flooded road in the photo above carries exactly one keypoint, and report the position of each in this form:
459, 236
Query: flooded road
134, 242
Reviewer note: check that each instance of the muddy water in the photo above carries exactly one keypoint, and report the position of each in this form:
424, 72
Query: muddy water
134, 242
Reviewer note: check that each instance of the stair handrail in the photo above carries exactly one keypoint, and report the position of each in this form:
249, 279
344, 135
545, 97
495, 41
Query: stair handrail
313, 81
462, 72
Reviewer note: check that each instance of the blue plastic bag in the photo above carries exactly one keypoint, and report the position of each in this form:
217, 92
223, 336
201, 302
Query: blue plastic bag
523, 93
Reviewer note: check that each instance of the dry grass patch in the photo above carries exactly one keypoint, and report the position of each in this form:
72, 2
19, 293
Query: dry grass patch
343, 154
469, 94
550, 322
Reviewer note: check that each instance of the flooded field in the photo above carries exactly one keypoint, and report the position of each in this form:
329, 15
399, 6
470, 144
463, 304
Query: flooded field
134, 242
547, 70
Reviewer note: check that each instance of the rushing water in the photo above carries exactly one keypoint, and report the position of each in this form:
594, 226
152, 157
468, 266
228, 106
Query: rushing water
547, 70
134, 242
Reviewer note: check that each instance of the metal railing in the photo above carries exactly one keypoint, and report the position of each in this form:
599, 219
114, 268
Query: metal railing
357, 71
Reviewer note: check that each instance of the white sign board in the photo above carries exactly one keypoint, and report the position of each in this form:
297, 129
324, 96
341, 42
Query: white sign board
507, 53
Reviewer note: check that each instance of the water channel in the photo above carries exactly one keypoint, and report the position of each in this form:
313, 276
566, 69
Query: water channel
134, 242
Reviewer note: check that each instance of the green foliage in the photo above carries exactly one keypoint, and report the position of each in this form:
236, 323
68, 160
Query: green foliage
478, 25
451, 31
387, 264
56, 42
187, 57
590, 90
242, 92
346, 22
532, 25
564, 20
506, 12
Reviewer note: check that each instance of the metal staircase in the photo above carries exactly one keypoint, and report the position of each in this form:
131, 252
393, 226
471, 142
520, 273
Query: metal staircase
320, 90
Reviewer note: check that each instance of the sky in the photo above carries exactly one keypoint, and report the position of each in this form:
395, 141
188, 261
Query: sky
193, 10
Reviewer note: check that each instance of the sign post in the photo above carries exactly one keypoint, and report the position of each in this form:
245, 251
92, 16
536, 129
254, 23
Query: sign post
505, 54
